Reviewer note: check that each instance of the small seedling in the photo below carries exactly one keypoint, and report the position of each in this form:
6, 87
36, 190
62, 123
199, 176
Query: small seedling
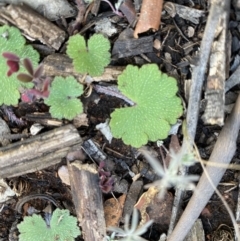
61, 227
90, 59
27, 95
157, 106
30, 95
63, 100
12, 50
32, 73
170, 176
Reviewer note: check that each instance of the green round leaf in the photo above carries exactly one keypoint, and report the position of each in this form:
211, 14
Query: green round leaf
62, 99
62, 227
34, 228
89, 59
157, 105
61, 220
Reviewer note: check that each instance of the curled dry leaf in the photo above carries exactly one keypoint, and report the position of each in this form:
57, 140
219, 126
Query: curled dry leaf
6, 191
113, 209
150, 16
144, 202
27, 63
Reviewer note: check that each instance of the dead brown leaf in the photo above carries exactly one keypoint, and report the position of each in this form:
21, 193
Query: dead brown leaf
113, 210
150, 16
144, 202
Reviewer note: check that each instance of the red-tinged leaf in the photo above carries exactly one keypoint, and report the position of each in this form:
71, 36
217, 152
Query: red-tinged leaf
31, 95
13, 65
9, 73
28, 66
24, 77
44, 94
27, 97
11, 56
38, 72
46, 84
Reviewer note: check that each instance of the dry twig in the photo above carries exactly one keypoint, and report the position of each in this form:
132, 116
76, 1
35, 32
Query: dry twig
223, 153
217, 8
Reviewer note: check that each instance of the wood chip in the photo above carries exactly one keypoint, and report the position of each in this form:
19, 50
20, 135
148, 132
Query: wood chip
33, 25
132, 47
190, 14
215, 89
53, 10
38, 152
87, 198
132, 196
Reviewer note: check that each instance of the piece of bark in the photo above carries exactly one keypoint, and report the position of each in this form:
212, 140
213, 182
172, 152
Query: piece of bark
44, 119
94, 151
53, 10
61, 65
214, 93
223, 153
80, 120
38, 152
132, 47
132, 197
87, 198
150, 16
190, 14
33, 25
